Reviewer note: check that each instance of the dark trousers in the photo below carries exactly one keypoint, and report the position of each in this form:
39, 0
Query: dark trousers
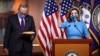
20, 53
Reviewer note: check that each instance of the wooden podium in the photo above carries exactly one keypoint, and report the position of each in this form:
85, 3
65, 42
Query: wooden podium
72, 47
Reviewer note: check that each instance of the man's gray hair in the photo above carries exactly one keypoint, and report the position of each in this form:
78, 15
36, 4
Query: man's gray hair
23, 6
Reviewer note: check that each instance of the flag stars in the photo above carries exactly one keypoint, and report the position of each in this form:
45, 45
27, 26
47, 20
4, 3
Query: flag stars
65, 8
50, 7
64, 12
47, 10
66, 5
70, 0
52, 10
62, 7
49, 4
69, 4
64, 1
63, 4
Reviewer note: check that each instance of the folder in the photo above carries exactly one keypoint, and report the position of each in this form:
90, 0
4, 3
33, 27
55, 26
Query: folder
28, 33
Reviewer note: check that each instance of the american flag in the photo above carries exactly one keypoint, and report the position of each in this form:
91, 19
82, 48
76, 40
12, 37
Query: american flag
66, 5
48, 28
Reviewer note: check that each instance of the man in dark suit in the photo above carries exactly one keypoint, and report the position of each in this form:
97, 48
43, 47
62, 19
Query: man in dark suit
15, 43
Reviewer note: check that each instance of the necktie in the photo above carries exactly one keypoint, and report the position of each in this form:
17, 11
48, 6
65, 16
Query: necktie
22, 24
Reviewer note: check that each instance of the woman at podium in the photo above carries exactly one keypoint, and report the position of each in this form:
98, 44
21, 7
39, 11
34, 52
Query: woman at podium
75, 27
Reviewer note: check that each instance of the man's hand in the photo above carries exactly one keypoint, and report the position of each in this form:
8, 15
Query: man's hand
5, 50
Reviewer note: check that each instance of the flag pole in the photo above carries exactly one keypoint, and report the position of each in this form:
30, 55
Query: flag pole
59, 18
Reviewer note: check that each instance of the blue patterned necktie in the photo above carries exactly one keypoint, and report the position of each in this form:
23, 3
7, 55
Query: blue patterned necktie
22, 24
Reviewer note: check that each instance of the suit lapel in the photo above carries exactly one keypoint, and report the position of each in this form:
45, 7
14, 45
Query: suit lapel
17, 22
26, 21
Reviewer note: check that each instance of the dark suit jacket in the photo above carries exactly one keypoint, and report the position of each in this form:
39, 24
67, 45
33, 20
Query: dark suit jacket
13, 39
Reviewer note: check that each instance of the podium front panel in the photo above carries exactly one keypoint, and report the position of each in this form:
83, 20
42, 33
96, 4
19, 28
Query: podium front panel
71, 49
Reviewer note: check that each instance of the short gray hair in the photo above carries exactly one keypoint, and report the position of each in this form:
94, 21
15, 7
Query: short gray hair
23, 6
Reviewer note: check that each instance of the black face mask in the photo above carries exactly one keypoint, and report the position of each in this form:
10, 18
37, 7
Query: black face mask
74, 17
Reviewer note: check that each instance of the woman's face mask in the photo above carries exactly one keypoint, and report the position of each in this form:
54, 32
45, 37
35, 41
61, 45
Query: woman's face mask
74, 15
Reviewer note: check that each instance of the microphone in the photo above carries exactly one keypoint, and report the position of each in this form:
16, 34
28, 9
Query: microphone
79, 31
68, 26
74, 25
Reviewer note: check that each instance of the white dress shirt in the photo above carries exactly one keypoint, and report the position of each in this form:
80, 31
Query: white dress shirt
19, 18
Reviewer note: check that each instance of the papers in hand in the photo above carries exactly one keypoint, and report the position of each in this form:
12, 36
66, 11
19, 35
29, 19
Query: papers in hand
28, 33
